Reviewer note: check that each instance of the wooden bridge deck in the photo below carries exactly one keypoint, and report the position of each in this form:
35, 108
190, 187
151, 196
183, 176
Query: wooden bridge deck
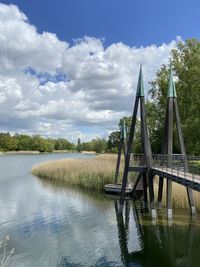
185, 178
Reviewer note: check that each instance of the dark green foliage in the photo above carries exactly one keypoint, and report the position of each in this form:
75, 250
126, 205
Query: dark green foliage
98, 145
113, 141
34, 143
185, 61
114, 137
63, 144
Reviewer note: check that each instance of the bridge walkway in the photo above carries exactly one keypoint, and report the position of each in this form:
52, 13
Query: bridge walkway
181, 169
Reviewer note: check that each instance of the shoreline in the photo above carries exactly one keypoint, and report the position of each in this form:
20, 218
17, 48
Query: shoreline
33, 152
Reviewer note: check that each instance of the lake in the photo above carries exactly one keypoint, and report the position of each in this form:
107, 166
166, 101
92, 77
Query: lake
51, 225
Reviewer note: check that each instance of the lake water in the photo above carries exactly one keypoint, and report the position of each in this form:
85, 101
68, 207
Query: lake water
50, 225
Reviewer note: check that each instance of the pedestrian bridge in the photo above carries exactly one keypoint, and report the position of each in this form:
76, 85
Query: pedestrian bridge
181, 169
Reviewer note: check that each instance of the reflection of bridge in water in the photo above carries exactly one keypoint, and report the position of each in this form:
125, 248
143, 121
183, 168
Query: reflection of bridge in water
161, 243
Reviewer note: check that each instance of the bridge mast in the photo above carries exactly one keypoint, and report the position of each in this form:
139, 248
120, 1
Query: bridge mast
172, 109
146, 149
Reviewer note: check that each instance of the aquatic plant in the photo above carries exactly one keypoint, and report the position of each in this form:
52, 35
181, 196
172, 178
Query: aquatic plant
5, 257
94, 173
91, 173
179, 195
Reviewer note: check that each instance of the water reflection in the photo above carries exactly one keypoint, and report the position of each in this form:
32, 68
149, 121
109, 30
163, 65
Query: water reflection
161, 244
51, 225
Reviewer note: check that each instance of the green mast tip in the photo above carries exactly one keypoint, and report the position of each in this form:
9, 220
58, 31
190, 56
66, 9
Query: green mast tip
140, 86
171, 86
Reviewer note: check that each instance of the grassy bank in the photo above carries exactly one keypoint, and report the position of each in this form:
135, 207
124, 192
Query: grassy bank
94, 173
91, 173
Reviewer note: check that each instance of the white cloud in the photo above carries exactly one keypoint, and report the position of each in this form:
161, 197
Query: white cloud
50, 88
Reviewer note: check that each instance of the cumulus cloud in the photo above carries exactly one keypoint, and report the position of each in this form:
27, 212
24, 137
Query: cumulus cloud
51, 88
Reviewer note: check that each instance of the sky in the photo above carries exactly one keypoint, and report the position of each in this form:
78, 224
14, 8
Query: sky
69, 68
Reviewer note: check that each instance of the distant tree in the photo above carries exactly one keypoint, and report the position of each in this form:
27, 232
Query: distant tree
24, 142
99, 145
63, 144
7, 142
41, 144
36, 143
113, 141
87, 146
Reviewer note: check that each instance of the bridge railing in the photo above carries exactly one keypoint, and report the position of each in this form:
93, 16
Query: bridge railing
175, 164
137, 160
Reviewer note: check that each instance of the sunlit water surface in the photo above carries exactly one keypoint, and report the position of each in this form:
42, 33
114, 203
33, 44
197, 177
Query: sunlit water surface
51, 225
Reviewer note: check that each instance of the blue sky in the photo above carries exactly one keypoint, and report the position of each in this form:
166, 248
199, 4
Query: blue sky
133, 22
69, 68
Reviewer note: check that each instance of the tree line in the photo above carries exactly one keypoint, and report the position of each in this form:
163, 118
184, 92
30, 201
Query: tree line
22, 142
34, 143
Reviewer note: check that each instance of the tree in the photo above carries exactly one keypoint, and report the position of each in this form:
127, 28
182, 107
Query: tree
24, 142
7, 142
63, 144
41, 144
99, 145
185, 61
113, 141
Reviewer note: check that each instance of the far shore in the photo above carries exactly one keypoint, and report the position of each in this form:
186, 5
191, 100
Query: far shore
33, 152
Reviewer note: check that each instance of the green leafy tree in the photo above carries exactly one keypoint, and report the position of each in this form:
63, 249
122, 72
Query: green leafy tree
99, 145
185, 61
7, 142
113, 141
41, 144
63, 144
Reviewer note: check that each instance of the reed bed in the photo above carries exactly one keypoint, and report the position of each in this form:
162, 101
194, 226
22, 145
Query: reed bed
91, 173
94, 173
179, 195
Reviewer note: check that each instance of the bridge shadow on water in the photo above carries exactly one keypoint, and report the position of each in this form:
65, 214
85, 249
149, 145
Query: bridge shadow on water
162, 243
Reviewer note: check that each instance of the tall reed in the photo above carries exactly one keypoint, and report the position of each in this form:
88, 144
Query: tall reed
95, 172
179, 195
91, 173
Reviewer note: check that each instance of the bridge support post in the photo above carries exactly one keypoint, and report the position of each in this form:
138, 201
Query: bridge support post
118, 162
183, 152
145, 196
191, 201
151, 195
160, 192
169, 199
